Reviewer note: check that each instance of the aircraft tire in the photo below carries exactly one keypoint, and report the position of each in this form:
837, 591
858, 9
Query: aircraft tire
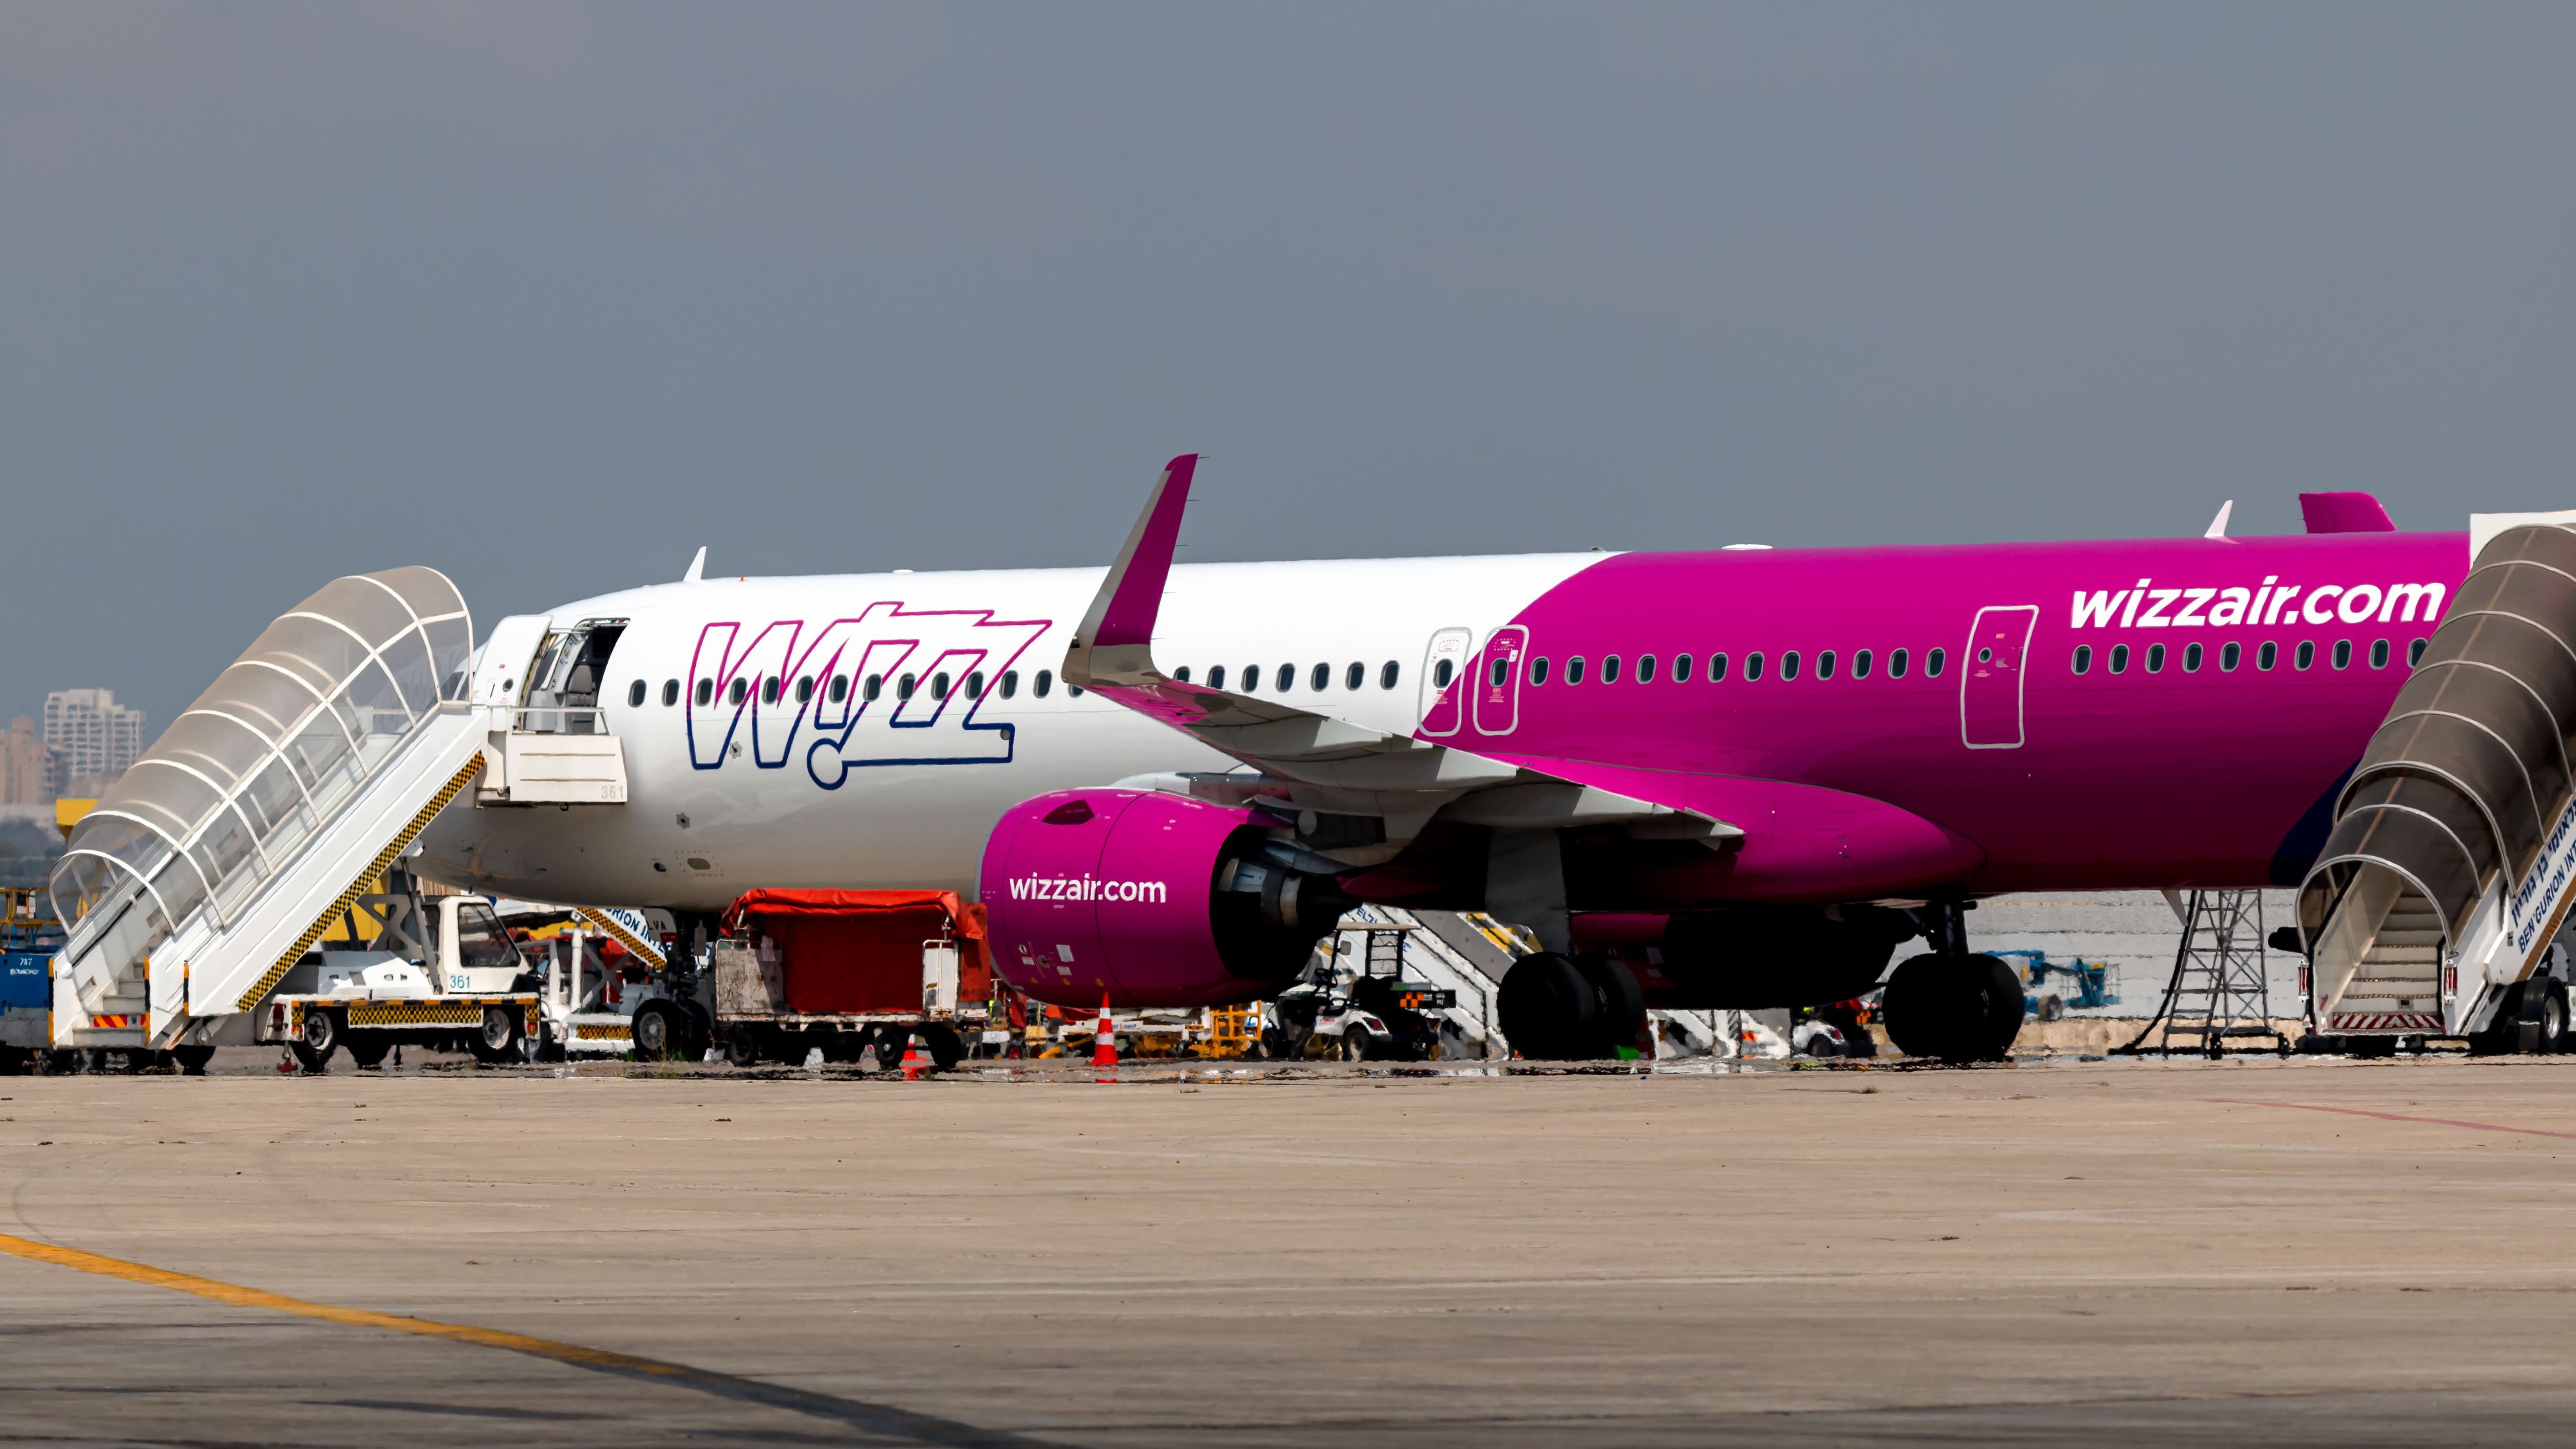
1953, 1008
1549, 1012
1623, 1004
2002, 986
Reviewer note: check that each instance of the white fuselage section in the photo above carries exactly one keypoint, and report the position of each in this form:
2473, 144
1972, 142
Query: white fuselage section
736, 781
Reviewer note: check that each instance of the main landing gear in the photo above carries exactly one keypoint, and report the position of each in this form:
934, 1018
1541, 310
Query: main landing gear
1560, 1008
1950, 1004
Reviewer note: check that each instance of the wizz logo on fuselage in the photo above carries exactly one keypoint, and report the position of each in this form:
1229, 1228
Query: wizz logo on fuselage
790, 694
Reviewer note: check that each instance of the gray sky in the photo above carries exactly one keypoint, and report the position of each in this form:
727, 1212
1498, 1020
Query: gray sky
549, 295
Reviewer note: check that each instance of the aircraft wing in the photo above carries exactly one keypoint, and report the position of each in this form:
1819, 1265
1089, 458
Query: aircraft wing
1313, 761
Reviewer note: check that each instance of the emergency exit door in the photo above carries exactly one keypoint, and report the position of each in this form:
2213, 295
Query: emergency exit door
1990, 683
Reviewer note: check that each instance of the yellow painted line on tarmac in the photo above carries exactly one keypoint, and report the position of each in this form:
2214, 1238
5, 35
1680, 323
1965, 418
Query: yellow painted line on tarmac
874, 1418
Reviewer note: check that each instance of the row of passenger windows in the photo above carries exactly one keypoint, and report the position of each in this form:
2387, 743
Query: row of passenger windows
837, 688
2266, 656
1685, 666
1319, 678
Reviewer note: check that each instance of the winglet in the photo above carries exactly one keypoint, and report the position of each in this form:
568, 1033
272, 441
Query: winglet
697, 566
2343, 513
2218, 525
1114, 645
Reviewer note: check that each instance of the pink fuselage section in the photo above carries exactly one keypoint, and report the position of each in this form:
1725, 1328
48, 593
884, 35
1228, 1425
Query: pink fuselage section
2009, 772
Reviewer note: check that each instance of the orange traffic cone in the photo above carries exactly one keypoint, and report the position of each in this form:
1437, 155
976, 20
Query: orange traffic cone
915, 1065
1104, 1040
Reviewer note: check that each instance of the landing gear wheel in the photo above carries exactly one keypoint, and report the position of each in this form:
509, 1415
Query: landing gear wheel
658, 1033
1549, 1012
317, 1039
946, 1051
1623, 1003
1953, 1008
498, 1041
369, 1049
192, 1059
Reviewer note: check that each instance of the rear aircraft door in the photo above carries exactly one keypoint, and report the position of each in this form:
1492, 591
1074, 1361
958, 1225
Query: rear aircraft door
1440, 665
1990, 683
1497, 684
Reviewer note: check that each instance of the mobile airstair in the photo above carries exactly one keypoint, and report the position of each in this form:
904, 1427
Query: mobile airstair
1465, 955
2448, 871
299, 776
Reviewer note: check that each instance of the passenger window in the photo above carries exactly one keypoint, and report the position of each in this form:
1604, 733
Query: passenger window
1860, 664
706, 691
1355, 676
1574, 670
1010, 683
904, 686
2307, 654
975, 685
939, 686
2119, 658
1440, 675
1073, 691
2379, 654
876, 687
1252, 679
1182, 674
1610, 669
635, 695
670, 693
2229, 656
840, 689
740, 691
1386, 675
1287, 678
2155, 659
1825, 664
1538, 671
1789, 665
1932, 664
1321, 679
1716, 668
2415, 653
2191, 659
769, 690
2343, 654
1645, 669
1896, 664
805, 690
2268, 655
1216, 677
1044, 682
1681, 669
1502, 671
1752, 666
2083, 658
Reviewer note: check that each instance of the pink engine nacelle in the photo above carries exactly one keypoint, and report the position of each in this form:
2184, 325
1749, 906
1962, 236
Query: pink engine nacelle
1153, 899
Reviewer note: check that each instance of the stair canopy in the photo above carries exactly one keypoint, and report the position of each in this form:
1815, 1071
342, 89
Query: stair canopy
250, 771
2456, 797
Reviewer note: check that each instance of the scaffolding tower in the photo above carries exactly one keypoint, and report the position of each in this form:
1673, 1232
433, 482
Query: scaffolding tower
2220, 989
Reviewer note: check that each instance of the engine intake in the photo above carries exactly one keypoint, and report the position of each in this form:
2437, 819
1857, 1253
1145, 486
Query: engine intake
1153, 899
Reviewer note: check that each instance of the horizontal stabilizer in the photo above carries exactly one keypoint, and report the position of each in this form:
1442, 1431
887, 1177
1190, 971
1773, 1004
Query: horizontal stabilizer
2344, 513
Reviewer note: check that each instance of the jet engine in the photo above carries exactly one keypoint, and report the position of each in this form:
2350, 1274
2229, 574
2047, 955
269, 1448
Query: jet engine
1153, 899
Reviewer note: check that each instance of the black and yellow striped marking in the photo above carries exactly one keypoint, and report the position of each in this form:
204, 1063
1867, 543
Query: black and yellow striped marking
383, 861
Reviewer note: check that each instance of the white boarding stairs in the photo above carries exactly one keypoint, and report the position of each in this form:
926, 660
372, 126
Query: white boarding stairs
2452, 861
210, 869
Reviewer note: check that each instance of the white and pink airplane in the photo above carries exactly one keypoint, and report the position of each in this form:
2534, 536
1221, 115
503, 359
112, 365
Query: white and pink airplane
1771, 767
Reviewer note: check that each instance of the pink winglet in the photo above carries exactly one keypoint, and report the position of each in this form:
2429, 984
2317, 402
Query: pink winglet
1127, 615
2344, 513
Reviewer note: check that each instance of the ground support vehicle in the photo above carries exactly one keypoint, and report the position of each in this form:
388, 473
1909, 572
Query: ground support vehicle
1354, 1002
29, 937
442, 972
845, 973
2084, 985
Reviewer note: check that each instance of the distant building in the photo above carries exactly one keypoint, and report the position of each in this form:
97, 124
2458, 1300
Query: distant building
99, 738
31, 771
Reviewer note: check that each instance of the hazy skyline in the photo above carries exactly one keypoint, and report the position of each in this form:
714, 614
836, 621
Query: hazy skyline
548, 296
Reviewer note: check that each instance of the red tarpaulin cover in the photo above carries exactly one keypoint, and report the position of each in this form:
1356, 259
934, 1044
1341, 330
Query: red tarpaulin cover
850, 951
